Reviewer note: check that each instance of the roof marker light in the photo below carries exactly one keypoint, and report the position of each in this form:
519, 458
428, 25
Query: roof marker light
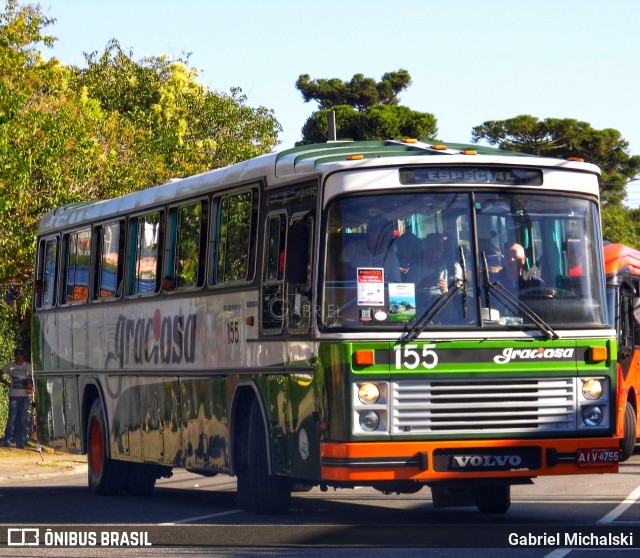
409, 140
469, 152
439, 147
355, 157
577, 159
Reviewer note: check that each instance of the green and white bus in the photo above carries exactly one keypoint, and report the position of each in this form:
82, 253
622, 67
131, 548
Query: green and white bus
333, 315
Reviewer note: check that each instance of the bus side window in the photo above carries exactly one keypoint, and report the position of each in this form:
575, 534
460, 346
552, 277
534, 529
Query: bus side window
45, 288
273, 301
145, 250
186, 251
298, 273
110, 260
234, 238
76, 266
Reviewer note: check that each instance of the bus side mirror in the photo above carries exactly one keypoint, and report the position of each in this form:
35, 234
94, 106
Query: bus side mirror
297, 260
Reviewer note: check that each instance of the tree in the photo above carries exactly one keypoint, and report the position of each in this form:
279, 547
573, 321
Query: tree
360, 92
564, 138
69, 134
364, 109
619, 225
185, 128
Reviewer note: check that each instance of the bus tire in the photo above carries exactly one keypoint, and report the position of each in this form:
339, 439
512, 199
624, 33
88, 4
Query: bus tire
630, 433
105, 476
494, 499
269, 494
141, 479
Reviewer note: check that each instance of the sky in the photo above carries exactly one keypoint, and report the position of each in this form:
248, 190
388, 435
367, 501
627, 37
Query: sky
470, 60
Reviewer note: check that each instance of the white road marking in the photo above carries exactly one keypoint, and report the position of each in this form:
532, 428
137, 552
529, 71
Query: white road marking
622, 507
197, 518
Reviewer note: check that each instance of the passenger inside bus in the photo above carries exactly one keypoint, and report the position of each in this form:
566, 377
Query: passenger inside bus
410, 249
375, 249
434, 273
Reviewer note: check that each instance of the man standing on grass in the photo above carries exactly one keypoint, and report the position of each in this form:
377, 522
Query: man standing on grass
20, 386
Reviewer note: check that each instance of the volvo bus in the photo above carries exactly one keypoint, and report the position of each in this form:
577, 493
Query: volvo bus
333, 315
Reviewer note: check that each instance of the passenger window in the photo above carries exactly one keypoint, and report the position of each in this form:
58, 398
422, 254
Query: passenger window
110, 261
235, 231
187, 243
146, 235
273, 298
45, 288
77, 266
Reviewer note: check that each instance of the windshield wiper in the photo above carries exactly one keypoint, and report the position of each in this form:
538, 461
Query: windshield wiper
440, 304
509, 298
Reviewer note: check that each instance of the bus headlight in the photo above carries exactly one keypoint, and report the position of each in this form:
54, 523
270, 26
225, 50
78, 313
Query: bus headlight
592, 388
592, 415
368, 393
369, 420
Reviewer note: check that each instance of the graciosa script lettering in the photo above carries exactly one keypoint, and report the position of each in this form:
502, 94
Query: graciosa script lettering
158, 339
510, 354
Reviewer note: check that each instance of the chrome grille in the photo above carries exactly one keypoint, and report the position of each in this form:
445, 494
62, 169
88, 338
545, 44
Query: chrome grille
458, 406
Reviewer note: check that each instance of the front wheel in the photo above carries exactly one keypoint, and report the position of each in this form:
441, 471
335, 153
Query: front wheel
628, 442
269, 494
105, 475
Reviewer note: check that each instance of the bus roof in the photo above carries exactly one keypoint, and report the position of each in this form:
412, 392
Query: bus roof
297, 163
618, 257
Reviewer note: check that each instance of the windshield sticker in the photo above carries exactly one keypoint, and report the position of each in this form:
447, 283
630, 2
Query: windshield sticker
370, 286
402, 301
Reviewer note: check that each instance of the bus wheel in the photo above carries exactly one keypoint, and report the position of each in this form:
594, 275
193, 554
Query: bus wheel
105, 475
628, 442
269, 494
141, 479
493, 499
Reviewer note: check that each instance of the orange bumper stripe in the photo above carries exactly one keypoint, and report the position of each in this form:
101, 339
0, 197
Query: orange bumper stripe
422, 461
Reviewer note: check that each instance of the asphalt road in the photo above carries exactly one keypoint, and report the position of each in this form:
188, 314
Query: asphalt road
188, 515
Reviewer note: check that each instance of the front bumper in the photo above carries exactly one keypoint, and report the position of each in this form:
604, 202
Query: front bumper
441, 460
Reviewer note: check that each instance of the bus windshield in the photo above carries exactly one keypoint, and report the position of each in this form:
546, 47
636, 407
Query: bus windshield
462, 260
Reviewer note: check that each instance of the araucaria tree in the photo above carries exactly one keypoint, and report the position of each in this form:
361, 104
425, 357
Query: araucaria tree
565, 138
364, 109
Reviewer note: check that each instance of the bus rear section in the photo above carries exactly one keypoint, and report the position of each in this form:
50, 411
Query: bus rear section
622, 268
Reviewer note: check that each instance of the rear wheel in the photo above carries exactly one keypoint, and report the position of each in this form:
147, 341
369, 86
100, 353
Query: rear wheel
268, 493
105, 475
628, 442
493, 499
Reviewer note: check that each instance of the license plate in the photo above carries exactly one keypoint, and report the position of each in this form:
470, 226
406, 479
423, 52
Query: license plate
592, 457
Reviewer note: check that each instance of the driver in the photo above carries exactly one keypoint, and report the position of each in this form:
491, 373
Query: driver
512, 275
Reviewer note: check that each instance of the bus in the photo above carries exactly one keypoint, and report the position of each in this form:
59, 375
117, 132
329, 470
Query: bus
622, 269
284, 320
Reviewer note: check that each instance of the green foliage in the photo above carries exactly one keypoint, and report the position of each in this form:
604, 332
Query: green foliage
69, 134
620, 226
364, 109
564, 138
377, 123
9, 325
360, 92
